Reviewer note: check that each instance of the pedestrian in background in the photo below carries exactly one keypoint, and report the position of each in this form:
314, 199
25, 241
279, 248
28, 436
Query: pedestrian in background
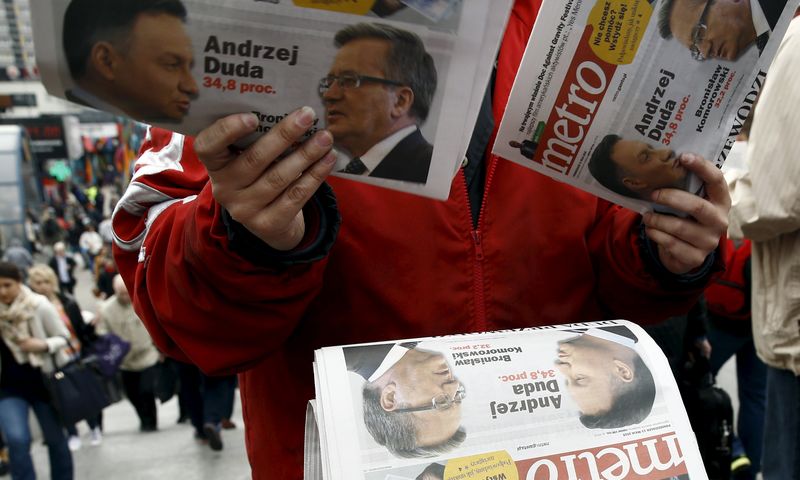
42, 280
19, 256
209, 401
91, 244
32, 335
138, 368
64, 266
766, 209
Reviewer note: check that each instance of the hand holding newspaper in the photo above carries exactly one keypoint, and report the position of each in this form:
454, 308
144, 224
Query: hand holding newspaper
184, 64
582, 401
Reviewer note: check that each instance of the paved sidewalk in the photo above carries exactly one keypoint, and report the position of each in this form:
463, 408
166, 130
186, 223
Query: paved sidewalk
170, 453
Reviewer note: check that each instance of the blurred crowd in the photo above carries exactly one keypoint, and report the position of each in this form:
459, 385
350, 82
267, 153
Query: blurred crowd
45, 330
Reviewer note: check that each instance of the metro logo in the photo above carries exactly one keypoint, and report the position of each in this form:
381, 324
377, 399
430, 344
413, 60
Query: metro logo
644, 459
584, 87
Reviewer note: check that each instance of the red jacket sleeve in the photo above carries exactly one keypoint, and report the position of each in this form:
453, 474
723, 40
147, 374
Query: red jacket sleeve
171, 249
650, 293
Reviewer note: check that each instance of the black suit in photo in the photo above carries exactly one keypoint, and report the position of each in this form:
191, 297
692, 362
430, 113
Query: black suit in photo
409, 160
772, 11
364, 360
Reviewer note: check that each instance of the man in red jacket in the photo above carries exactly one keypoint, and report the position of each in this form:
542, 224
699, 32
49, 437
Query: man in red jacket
237, 263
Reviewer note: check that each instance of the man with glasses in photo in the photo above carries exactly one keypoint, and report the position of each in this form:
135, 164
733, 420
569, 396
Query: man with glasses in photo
377, 94
412, 400
721, 29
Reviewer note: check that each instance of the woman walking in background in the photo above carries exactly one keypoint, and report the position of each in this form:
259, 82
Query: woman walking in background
32, 333
43, 280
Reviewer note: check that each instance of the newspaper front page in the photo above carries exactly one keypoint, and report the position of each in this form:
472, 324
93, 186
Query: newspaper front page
589, 401
270, 57
611, 92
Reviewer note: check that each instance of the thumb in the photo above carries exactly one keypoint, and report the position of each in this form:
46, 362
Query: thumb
211, 144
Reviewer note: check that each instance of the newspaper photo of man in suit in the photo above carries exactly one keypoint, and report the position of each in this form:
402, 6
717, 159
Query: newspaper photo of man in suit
606, 378
131, 57
411, 398
722, 29
635, 169
377, 93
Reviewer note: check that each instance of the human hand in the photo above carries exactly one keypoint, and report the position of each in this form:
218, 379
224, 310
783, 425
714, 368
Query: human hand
260, 188
32, 345
684, 243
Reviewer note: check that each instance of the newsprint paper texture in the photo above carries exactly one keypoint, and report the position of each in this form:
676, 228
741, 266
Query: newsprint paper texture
611, 91
268, 57
588, 401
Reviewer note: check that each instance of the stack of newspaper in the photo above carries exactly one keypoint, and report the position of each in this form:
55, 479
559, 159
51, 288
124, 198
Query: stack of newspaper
584, 401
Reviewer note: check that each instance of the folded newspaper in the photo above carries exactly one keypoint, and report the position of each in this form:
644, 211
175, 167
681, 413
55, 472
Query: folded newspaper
182, 64
589, 401
610, 92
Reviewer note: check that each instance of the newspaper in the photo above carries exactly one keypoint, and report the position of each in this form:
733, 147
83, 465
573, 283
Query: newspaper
586, 401
610, 92
269, 57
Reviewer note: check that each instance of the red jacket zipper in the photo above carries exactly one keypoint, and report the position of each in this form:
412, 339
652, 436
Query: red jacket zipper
478, 280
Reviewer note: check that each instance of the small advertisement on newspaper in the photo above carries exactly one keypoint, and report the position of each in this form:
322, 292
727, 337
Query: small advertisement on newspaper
591, 400
386, 78
610, 93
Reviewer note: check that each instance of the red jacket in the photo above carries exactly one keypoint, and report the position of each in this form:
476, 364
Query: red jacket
402, 266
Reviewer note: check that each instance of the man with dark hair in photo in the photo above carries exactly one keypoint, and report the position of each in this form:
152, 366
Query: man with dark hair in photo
412, 400
378, 92
719, 28
607, 379
635, 169
130, 56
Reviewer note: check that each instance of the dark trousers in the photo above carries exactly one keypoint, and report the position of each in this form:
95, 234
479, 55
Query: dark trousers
140, 390
94, 422
781, 457
67, 287
208, 399
751, 376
